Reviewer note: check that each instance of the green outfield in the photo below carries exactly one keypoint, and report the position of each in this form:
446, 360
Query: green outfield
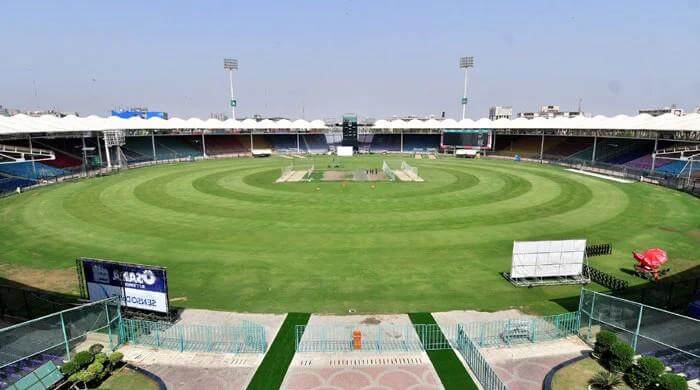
233, 239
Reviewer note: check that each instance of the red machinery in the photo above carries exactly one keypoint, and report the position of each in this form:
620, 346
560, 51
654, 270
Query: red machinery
649, 263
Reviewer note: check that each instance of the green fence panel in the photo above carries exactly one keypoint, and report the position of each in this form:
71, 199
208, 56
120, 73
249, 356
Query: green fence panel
55, 336
479, 366
246, 337
672, 337
377, 338
511, 331
427, 337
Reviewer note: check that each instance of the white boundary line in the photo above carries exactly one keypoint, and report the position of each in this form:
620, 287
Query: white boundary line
598, 175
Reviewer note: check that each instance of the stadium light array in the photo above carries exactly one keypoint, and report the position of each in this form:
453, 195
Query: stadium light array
231, 64
465, 63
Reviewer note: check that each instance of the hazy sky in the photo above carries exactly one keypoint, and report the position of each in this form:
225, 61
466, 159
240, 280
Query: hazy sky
326, 58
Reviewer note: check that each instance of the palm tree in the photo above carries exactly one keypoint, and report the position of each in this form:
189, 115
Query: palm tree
605, 380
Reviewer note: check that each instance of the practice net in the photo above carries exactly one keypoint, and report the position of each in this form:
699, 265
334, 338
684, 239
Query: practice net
388, 171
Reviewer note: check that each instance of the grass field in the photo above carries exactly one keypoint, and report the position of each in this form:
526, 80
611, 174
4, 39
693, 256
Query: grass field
451, 371
233, 239
577, 375
274, 366
128, 379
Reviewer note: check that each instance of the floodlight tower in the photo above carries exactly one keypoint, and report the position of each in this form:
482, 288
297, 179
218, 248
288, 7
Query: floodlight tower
465, 63
231, 64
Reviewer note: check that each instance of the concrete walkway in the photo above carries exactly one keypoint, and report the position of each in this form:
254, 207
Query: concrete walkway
204, 370
194, 370
525, 366
362, 369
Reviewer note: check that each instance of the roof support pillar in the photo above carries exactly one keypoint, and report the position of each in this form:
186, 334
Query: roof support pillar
85, 164
542, 147
153, 144
31, 152
653, 155
99, 149
109, 159
595, 145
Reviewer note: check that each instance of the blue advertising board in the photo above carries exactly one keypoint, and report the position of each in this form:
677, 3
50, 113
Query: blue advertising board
139, 286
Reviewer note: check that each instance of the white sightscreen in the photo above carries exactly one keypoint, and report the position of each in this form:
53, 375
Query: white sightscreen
344, 151
536, 259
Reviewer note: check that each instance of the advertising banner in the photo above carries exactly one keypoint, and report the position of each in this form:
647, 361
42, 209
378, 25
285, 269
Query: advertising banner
142, 287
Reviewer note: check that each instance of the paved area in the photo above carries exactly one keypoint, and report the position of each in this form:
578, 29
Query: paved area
522, 366
448, 324
362, 371
393, 332
194, 378
525, 366
194, 370
200, 370
528, 374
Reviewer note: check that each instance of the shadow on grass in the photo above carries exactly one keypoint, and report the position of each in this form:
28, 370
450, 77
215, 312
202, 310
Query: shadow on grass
673, 293
19, 301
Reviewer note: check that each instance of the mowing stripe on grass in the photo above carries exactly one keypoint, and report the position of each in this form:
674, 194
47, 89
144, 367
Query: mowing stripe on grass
448, 366
273, 368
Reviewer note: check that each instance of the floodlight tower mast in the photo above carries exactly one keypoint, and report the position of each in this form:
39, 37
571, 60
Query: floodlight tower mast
465, 63
231, 64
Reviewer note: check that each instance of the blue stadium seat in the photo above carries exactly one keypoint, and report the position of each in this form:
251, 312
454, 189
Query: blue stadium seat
24, 170
10, 184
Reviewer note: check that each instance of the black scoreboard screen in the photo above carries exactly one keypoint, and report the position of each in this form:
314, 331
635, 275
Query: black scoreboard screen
350, 131
468, 139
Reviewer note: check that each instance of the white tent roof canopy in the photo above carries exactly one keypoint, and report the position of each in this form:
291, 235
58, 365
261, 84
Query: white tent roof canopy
50, 124
689, 122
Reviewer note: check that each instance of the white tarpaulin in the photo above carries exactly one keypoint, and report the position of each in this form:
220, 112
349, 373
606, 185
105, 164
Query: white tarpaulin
539, 259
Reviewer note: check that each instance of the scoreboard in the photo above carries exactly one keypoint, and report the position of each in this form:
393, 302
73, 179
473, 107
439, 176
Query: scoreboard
350, 131
466, 139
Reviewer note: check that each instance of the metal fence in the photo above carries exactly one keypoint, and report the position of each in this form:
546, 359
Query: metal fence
433, 338
673, 338
59, 334
246, 337
376, 338
681, 182
507, 332
678, 182
427, 337
479, 366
